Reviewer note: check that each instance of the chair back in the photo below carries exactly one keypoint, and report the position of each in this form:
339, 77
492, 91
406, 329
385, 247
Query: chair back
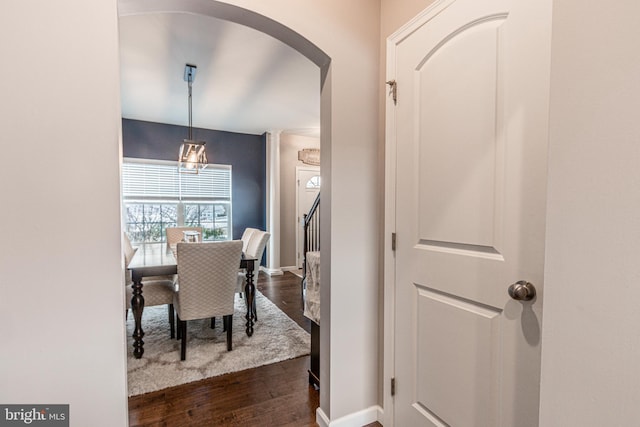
257, 244
207, 278
127, 248
128, 251
176, 234
246, 237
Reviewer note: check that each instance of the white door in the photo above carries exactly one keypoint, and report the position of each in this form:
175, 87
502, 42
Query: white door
470, 134
308, 182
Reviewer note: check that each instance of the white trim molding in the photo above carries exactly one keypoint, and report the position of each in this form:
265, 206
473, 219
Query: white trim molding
273, 203
356, 419
272, 271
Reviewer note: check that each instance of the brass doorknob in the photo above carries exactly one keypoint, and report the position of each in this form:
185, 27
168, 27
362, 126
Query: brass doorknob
522, 291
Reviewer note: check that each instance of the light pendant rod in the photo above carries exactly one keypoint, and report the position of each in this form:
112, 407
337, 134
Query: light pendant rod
190, 133
189, 77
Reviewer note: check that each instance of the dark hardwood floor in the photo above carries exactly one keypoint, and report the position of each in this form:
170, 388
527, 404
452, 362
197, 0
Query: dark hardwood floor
273, 395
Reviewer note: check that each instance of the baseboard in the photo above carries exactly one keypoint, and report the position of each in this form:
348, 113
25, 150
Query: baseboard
356, 419
321, 418
272, 271
289, 268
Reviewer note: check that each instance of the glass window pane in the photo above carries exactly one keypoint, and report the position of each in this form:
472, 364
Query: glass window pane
206, 213
146, 222
191, 215
169, 214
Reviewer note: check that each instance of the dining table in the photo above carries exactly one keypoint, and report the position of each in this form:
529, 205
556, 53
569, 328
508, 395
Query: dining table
158, 259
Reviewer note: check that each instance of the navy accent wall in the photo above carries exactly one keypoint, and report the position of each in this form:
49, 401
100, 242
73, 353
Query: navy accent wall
245, 153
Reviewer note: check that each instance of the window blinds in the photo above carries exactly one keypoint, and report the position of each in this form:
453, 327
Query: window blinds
148, 180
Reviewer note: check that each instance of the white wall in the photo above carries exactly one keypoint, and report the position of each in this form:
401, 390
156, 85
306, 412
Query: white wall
289, 147
61, 318
349, 33
591, 326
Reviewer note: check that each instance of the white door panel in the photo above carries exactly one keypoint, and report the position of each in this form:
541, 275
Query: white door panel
458, 176
463, 371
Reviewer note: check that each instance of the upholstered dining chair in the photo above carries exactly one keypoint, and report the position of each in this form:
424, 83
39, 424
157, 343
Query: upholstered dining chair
176, 234
206, 285
155, 290
255, 249
246, 237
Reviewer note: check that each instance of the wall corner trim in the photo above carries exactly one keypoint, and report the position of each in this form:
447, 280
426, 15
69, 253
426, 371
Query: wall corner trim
272, 271
360, 418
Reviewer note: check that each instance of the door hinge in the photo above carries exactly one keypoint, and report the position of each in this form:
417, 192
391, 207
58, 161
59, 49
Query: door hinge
393, 91
393, 241
393, 386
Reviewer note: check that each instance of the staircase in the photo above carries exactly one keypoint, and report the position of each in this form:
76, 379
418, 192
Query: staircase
312, 244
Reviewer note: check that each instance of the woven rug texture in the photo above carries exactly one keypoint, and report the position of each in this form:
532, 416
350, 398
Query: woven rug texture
276, 338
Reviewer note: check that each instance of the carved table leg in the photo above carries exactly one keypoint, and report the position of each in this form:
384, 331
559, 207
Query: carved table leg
250, 292
137, 305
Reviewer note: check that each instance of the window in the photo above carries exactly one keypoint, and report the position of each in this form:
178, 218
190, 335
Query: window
156, 196
314, 182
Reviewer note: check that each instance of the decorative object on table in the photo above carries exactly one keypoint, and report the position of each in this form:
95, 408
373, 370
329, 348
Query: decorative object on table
191, 237
278, 338
192, 157
207, 276
309, 156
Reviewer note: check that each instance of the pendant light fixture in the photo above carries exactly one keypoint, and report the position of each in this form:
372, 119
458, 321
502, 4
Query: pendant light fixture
192, 157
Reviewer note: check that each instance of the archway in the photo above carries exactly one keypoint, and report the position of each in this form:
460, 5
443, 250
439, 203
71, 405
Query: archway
305, 47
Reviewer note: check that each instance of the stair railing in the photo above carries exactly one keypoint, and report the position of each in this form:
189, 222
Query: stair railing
311, 234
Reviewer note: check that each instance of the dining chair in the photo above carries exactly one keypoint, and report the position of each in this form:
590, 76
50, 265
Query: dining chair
206, 285
174, 236
156, 290
255, 249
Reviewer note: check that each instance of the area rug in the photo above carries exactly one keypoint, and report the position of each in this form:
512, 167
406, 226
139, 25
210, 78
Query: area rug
276, 338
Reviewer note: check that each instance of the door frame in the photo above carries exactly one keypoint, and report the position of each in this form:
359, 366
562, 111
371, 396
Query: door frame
389, 260
297, 183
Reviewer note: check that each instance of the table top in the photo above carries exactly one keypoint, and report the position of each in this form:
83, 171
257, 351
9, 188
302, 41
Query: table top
152, 259
152, 254
156, 259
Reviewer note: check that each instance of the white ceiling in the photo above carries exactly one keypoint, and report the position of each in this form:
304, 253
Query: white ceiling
246, 81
